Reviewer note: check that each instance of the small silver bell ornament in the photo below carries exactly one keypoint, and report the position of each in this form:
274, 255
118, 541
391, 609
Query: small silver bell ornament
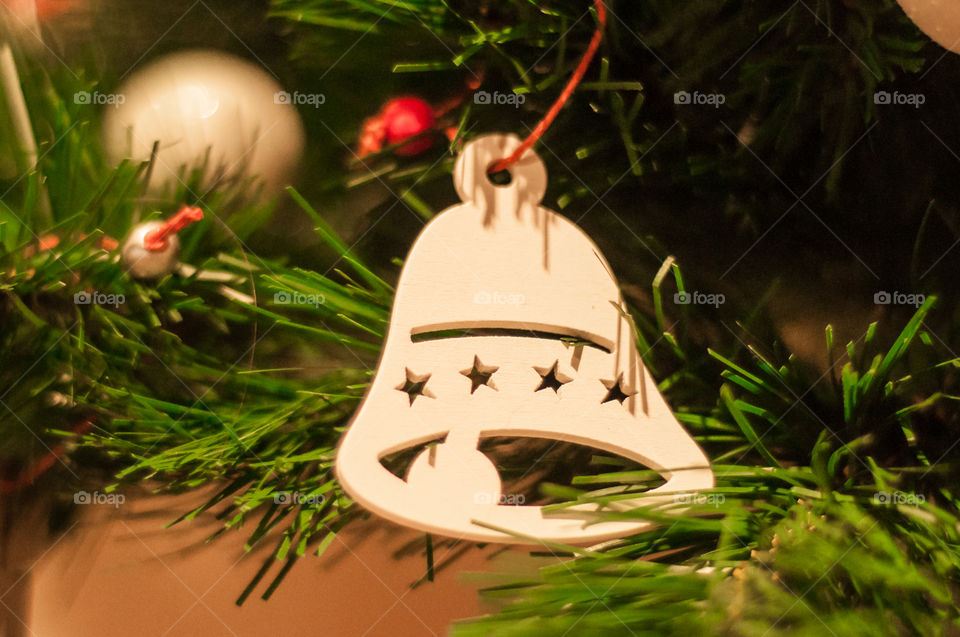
479, 345
152, 249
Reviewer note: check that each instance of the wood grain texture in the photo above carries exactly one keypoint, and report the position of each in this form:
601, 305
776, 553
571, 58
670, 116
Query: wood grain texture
501, 281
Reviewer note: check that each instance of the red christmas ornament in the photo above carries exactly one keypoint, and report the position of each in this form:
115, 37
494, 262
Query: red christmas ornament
398, 120
407, 117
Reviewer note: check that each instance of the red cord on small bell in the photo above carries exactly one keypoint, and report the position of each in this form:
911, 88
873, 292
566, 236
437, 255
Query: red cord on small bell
156, 240
152, 249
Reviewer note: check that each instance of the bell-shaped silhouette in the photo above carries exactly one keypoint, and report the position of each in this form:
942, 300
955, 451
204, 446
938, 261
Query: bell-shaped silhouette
507, 321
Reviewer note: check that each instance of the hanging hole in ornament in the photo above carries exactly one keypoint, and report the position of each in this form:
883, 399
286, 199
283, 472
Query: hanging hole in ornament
499, 177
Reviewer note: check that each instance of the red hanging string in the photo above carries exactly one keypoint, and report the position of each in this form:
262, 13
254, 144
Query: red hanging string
514, 157
156, 240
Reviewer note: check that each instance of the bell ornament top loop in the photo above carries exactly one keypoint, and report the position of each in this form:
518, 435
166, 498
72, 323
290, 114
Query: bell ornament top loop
528, 176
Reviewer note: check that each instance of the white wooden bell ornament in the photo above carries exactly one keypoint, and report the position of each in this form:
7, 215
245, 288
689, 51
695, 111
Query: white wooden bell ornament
479, 344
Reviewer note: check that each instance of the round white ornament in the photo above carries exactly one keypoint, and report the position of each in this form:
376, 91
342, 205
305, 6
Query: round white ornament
149, 264
939, 19
490, 296
197, 102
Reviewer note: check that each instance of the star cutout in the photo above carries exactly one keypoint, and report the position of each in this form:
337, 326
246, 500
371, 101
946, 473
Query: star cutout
551, 378
480, 374
616, 390
415, 385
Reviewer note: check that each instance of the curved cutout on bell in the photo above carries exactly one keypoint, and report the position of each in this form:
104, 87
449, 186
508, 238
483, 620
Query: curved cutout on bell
515, 330
504, 451
398, 465
464, 505
415, 442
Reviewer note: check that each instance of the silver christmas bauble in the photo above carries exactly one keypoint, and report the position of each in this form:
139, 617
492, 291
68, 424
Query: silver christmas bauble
199, 101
